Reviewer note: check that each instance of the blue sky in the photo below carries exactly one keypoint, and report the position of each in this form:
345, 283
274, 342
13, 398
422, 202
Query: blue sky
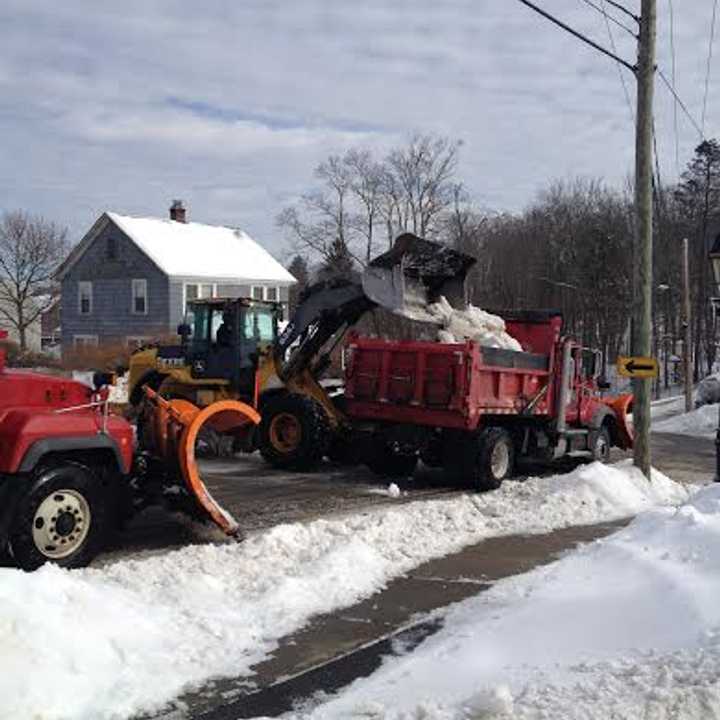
229, 104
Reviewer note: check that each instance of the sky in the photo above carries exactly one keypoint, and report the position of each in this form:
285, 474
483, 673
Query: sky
230, 104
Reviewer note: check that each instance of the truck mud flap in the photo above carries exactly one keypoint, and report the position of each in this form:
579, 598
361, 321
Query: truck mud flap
177, 426
622, 407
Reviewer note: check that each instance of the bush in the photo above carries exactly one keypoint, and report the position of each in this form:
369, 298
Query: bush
14, 357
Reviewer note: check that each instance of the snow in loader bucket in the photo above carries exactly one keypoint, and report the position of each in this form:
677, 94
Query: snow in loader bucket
178, 424
413, 274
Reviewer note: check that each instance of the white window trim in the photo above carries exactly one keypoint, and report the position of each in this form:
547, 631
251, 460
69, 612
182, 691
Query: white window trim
199, 285
86, 284
264, 293
133, 311
86, 340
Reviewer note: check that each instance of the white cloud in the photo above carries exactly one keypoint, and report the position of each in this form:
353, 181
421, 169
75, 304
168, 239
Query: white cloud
267, 89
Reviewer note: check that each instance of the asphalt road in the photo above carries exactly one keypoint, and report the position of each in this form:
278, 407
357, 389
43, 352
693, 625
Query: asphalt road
260, 497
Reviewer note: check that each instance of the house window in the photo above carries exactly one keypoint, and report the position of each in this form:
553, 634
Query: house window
85, 297
139, 296
194, 291
263, 292
81, 342
111, 248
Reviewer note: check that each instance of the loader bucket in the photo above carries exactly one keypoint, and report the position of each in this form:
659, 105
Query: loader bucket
415, 272
621, 407
177, 426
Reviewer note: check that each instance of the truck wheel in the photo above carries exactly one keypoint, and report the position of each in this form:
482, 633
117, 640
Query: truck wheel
482, 460
293, 433
600, 444
60, 519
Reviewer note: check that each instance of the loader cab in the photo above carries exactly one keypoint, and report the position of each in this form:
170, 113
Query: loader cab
224, 337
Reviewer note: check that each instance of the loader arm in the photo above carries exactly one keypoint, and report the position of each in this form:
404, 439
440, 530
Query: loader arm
325, 309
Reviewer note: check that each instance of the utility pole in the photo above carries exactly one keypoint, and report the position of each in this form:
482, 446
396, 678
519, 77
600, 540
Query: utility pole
687, 350
642, 260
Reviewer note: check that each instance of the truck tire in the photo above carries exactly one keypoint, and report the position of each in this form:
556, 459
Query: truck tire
59, 519
294, 432
600, 444
481, 460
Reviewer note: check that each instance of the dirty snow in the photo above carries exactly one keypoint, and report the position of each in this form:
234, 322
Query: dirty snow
141, 631
702, 422
471, 324
626, 627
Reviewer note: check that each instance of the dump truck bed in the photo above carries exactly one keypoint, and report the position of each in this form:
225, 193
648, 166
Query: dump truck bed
444, 385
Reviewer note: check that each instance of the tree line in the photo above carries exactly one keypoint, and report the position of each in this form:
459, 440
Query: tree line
570, 249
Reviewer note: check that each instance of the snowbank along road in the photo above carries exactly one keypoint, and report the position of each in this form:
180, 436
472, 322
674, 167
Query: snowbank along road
215, 610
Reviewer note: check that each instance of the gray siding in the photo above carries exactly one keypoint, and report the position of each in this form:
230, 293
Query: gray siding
111, 318
177, 311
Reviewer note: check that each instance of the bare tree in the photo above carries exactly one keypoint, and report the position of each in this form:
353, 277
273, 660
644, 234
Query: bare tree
30, 250
424, 170
410, 190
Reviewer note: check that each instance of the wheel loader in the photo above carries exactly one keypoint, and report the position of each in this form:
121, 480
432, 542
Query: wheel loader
230, 349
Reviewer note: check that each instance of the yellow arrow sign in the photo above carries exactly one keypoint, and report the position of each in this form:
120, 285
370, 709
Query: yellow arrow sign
637, 367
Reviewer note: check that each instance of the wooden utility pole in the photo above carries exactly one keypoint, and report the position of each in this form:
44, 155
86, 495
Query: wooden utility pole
687, 349
642, 261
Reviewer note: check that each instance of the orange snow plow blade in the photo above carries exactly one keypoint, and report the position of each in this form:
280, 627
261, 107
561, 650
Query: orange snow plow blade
176, 425
622, 407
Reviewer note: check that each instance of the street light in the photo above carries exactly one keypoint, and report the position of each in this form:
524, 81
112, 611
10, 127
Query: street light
714, 256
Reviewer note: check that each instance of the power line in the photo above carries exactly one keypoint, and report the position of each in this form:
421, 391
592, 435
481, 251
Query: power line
619, 69
610, 18
674, 82
709, 58
623, 9
577, 34
681, 103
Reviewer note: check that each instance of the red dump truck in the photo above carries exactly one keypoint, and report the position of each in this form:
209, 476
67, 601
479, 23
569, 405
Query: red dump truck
475, 410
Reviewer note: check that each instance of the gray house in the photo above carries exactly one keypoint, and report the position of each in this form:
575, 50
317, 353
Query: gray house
129, 279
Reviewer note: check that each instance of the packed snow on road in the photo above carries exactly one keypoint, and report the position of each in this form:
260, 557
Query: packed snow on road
626, 627
129, 637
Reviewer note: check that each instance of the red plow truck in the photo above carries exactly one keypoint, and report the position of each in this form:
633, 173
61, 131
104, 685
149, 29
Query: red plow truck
71, 472
475, 410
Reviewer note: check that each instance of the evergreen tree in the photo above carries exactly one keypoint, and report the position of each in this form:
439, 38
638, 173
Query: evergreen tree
298, 268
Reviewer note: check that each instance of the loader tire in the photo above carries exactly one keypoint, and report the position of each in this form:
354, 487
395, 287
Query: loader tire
294, 432
481, 460
61, 518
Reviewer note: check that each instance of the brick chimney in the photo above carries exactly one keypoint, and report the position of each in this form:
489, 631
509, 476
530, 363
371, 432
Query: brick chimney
177, 211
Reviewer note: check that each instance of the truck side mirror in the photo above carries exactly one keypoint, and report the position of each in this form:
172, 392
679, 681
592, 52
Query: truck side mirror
184, 331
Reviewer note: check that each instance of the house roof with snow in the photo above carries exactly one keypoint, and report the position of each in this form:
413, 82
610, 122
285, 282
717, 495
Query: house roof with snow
190, 249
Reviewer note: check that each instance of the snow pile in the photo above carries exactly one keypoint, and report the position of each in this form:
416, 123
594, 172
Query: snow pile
626, 627
708, 390
702, 422
113, 641
471, 324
